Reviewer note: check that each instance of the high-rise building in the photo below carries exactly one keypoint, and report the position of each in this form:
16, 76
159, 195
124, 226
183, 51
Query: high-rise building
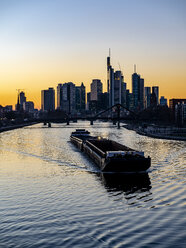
141, 93
118, 84
110, 82
22, 99
59, 96
116, 88
174, 101
163, 101
88, 101
147, 97
28, 107
80, 98
68, 98
48, 99
137, 91
155, 90
96, 89
124, 94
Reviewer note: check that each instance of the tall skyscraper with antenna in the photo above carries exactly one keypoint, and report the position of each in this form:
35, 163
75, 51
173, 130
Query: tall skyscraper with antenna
116, 87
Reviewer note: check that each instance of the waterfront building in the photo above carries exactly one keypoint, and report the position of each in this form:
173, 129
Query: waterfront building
80, 98
124, 94
119, 88
153, 100
48, 100
180, 113
68, 98
22, 98
163, 101
174, 101
141, 93
116, 87
137, 91
28, 107
147, 97
8, 108
59, 96
155, 90
110, 82
96, 89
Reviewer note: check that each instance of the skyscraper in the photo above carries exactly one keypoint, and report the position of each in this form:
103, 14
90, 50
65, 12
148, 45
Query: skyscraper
116, 88
155, 90
137, 91
48, 99
68, 98
147, 97
96, 89
80, 98
59, 96
118, 80
22, 99
110, 82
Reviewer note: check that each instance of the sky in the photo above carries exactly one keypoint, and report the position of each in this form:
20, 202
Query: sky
46, 42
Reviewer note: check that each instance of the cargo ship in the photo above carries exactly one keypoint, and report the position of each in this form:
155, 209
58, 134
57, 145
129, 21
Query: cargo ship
109, 155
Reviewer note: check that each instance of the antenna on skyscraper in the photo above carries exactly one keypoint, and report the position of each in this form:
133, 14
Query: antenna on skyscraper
134, 68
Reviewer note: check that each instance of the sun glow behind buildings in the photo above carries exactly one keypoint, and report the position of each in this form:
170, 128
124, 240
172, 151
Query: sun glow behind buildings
44, 43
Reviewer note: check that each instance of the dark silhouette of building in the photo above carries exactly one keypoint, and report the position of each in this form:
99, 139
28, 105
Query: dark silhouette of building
59, 96
137, 91
153, 100
163, 101
96, 89
48, 99
147, 97
155, 90
174, 101
80, 98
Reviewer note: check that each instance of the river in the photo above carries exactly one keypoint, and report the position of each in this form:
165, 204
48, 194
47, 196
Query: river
52, 195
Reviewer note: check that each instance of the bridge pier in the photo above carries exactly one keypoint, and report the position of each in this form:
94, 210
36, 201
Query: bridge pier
118, 124
49, 124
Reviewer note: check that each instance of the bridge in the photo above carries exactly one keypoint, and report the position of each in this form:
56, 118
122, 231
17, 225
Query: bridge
116, 119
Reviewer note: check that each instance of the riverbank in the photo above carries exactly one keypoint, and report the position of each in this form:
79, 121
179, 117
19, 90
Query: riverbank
159, 132
8, 128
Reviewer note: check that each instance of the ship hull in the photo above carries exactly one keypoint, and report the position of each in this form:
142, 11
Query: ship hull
96, 150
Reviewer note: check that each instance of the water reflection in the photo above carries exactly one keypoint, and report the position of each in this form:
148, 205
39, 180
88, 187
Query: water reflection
128, 183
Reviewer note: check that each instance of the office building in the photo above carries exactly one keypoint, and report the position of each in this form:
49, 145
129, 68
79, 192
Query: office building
28, 107
174, 101
68, 98
48, 99
59, 96
163, 101
96, 89
110, 82
137, 91
155, 90
147, 97
80, 98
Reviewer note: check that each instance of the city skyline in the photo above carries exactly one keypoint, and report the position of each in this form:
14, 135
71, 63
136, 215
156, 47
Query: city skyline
44, 43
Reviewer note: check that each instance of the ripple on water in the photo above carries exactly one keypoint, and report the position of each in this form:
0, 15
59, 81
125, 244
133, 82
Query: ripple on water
52, 195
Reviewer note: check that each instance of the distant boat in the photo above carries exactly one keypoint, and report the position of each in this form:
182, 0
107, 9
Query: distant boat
109, 155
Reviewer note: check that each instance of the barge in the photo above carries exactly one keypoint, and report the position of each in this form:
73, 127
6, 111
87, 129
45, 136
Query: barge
109, 155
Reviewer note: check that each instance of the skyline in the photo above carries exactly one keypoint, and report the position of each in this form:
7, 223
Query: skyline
44, 43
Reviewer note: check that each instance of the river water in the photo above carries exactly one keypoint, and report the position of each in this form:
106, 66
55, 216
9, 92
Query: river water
52, 195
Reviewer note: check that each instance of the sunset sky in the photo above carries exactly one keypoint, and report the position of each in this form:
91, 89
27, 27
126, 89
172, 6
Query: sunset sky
46, 42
